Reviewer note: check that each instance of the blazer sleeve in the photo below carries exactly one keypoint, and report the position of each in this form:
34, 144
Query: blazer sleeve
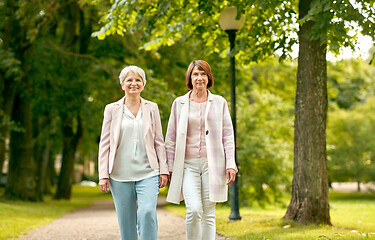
104, 144
170, 138
228, 138
159, 143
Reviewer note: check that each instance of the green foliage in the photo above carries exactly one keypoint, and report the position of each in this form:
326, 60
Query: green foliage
339, 23
351, 143
269, 25
265, 132
350, 82
10, 67
10, 73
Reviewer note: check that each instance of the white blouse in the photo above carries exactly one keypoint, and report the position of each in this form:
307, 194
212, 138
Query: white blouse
131, 162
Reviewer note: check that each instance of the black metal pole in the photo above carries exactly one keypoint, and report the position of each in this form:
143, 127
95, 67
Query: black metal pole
234, 203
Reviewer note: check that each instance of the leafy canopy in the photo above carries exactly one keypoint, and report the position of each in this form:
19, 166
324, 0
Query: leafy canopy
270, 26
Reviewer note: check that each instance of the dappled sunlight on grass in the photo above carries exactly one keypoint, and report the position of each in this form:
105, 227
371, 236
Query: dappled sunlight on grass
349, 211
354, 211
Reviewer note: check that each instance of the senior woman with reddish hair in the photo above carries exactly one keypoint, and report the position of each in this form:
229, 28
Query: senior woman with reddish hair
200, 151
132, 157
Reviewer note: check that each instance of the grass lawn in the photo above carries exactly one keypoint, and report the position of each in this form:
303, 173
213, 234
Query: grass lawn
18, 217
352, 216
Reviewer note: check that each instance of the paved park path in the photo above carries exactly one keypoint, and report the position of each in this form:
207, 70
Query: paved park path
99, 222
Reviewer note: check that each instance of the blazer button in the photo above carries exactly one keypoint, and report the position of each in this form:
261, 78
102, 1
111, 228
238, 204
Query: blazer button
207, 132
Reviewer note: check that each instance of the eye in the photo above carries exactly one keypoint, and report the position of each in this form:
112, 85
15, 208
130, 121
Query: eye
204, 74
195, 74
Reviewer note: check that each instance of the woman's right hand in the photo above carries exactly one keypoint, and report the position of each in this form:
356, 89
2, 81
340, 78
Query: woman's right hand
104, 185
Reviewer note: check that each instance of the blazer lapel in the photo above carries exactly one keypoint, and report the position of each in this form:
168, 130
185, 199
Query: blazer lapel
117, 119
184, 115
209, 101
146, 116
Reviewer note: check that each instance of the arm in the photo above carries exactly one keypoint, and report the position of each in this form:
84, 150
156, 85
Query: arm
228, 139
103, 157
170, 138
159, 143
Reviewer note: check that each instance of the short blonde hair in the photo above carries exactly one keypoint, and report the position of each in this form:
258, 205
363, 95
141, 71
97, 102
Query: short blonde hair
133, 69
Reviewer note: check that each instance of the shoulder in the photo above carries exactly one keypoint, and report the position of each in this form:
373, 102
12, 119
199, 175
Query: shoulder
150, 103
183, 98
110, 106
218, 99
179, 99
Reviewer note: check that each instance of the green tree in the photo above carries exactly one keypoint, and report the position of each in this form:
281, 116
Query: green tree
20, 25
265, 142
350, 82
10, 72
351, 142
74, 39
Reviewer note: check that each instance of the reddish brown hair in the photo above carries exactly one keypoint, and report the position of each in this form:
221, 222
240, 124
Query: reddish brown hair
202, 66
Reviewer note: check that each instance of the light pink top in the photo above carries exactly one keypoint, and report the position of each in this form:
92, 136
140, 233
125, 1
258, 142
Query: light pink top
196, 138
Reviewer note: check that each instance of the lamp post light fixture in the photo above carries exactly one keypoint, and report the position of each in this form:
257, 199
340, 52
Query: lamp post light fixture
231, 25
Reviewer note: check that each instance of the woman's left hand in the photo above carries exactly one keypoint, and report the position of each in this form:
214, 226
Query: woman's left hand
163, 180
231, 175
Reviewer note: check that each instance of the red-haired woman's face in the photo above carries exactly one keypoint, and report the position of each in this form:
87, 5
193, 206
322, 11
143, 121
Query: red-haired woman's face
199, 79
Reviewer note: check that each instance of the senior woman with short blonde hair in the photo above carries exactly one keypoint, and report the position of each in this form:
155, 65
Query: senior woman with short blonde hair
132, 157
200, 151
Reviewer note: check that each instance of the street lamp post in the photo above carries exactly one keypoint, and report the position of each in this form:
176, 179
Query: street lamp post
231, 25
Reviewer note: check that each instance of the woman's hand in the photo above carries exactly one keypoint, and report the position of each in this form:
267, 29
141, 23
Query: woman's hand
104, 185
163, 180
231, 175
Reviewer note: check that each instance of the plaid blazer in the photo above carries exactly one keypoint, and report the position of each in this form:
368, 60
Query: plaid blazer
219, 145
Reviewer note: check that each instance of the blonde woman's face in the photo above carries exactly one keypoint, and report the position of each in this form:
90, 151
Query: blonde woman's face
132, 84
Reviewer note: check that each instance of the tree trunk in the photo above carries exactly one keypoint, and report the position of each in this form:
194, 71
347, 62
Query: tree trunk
8, 94
7, 85
22, 169
42, 150
71, 137
309, 203
70, 144
2, 152
51, 175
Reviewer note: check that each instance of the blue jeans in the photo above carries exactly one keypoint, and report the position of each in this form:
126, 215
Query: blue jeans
125, 196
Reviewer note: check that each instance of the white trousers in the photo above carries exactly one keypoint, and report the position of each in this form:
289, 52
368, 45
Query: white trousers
200, 212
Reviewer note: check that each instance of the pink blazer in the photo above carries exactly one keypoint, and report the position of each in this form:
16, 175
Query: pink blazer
153, 137
219, 145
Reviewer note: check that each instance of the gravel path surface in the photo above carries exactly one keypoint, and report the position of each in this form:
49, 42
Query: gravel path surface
99, 222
